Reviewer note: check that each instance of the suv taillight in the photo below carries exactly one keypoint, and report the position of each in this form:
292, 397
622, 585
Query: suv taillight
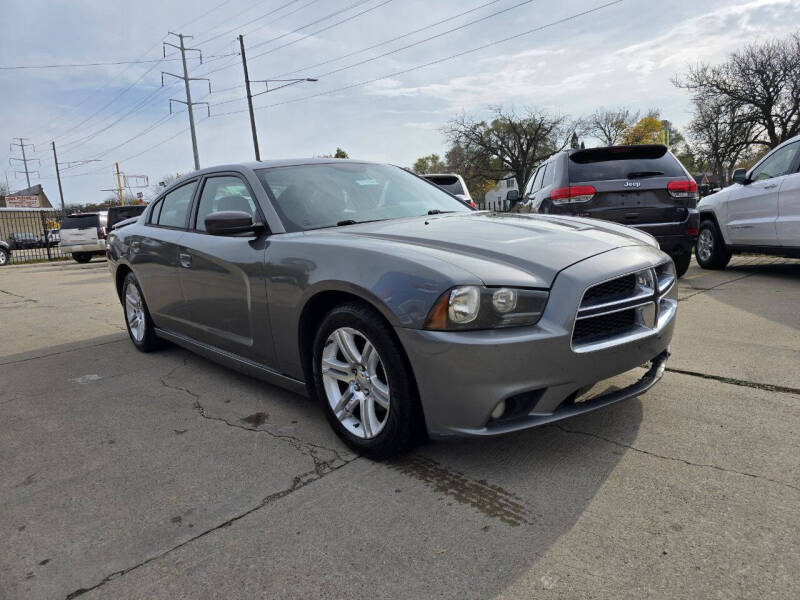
573, 193
683, 189
101, 233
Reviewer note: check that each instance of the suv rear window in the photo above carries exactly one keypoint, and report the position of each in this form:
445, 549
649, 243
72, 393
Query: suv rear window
623, 162
120, 213
449, 183
80, 222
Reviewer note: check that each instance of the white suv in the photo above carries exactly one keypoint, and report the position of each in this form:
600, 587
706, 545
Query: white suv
84, 235
759, 213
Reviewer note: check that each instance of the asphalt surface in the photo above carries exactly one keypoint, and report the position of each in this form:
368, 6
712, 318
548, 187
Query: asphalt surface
127, 475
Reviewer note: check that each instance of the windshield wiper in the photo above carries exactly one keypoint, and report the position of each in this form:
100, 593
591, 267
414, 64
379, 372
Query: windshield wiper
436, 211
642, 174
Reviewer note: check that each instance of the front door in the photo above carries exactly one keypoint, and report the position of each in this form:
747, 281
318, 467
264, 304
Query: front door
788, 225
753, 208
155, 258
223, 276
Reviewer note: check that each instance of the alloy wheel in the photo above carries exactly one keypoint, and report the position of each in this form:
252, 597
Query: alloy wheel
134, 312
355, 382
3, 258
705, 244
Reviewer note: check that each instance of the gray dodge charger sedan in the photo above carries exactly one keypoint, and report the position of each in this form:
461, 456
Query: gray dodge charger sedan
404, 312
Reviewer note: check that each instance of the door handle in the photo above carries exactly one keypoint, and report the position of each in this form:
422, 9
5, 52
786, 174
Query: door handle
186, 260
770, 186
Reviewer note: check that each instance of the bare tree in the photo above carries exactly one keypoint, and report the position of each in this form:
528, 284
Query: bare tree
759, 84
608, 125
510, 142
719, 137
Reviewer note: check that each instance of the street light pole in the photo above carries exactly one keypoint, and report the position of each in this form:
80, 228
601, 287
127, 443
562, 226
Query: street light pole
249, 100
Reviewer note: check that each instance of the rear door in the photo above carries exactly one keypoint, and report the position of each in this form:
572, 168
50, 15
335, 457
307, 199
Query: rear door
788, 223
223, 276
155, 259
630, 185
80, 229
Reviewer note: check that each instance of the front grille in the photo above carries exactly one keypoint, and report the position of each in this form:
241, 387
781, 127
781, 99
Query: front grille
595, 329
616, 289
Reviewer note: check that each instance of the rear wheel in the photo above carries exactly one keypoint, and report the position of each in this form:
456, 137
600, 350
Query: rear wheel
4, 258
363, 382
137, 317
710, 250
682, 261
81, 257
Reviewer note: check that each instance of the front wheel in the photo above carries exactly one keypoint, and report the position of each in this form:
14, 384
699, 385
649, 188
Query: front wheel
363, 382
4, 258
82, 258
710, 250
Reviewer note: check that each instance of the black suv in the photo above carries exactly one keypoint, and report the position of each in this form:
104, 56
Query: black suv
642, 186
120, 213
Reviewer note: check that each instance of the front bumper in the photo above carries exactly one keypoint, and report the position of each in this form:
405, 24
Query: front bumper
462, 376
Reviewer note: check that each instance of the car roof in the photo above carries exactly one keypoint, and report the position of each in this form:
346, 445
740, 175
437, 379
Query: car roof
266, 164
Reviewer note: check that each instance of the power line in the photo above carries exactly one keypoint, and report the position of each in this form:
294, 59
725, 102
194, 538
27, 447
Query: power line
272, 12
406, 47
98, 64
433, 62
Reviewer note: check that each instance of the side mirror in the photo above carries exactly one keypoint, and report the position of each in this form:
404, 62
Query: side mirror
740, 176
229, 222
512, 195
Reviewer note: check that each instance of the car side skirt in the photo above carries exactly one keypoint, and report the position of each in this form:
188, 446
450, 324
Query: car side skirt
785, 251
238, 363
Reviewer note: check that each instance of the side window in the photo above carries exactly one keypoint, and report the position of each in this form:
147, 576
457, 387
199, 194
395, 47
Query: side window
530, 188
537, 184
549, 175
224, 193
778, 163
174, 208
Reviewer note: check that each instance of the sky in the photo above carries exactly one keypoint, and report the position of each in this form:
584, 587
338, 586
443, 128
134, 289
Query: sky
384, 88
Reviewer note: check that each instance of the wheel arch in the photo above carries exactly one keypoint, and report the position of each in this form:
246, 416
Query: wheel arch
119, 278
707, 214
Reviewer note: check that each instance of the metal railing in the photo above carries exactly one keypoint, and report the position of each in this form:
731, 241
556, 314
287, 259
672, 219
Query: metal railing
32, 233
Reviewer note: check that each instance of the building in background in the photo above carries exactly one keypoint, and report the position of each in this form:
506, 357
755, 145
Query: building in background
495, 198
32, 197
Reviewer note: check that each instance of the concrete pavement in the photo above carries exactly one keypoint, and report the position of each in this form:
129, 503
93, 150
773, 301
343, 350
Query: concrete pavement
166, 476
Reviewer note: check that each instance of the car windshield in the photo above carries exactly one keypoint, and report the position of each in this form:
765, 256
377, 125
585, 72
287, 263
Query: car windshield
330, 194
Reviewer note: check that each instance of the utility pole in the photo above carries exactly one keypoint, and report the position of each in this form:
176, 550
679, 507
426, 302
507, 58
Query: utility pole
186, 81
20, 143
249, 99
250, 95
58, 176
119, 184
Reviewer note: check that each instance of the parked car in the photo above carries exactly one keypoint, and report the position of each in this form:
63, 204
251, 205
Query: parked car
759, 213
5, 253
51, 237
641, 186
121, 213
24, 241
84, 235
453, 183
399, 309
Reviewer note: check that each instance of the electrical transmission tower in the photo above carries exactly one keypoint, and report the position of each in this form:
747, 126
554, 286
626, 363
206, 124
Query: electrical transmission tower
186, 81
20, 143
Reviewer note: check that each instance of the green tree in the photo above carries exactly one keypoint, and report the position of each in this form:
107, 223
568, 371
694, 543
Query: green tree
429, 164
338, 154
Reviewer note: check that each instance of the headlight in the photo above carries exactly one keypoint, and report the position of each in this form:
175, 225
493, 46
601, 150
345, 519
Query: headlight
477, 307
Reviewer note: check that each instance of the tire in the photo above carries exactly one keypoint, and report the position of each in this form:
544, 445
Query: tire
544, 208
5, 258
710, 250
681, 261
140, 329
346, 330
81, 257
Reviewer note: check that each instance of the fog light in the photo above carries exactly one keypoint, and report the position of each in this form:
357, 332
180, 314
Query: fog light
499, 409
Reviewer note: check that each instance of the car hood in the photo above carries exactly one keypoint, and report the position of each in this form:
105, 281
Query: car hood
507, 248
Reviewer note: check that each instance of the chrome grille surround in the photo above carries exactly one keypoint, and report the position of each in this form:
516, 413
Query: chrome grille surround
604, 320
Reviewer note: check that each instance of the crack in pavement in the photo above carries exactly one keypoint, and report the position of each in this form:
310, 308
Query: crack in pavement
676, 459
25, 298
67, 351
320, 470
767, 387
713, 287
